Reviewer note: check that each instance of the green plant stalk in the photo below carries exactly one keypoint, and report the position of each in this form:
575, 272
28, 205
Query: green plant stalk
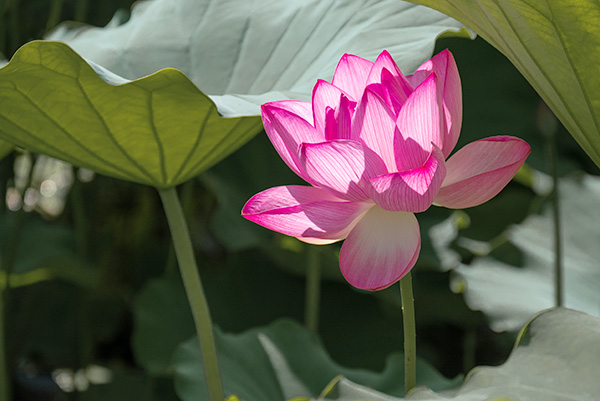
5, 383
3, 4
84, 333
79, 219
81, 10
469, 349
13, 23
410, 333
313, 290
558, 268
55, 12
195, 292
186, 200
548, 127
6, 270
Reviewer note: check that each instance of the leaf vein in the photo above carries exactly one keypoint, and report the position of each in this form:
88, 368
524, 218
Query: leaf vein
109, 133
63, 130
159, 144
196, 144
546, 77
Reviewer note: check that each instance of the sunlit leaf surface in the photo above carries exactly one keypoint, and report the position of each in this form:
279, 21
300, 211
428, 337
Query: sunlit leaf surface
159, 130
555, 44
556, 359
244, 53
510, 295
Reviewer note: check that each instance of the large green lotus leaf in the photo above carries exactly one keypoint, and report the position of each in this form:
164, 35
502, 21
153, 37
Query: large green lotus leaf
510, 295
281, 361
5, 147
159, 130
557, 358
555, 44
245, 53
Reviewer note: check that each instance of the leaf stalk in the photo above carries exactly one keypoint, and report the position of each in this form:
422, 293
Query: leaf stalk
194, 291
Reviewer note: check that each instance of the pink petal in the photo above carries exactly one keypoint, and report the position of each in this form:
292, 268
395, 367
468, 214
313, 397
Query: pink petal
287, 131
380, 249
421, 73
386, 62
325, 95
351, 75
338, 121
374, 125
479, 171
392, 90
387, 81
342, 167
444, 67
452, 100
413, 190
301, 108
420, 126
308, 213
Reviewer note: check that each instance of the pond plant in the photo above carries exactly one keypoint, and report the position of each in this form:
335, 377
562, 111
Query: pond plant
355, 105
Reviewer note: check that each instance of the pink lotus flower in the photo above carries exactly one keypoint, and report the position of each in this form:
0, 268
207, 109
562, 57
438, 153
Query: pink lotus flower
375, 146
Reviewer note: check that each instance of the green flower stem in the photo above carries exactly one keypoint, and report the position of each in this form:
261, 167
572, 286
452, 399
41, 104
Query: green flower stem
410, 334
2, 28
5, 382
81, 10
13, 23
470, 349
55, 12
195, 292
85, 339
6, 270
548, 127
313, 289
558, 268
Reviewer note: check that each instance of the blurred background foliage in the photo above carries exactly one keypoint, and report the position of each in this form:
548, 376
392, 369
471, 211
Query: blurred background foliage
96, 308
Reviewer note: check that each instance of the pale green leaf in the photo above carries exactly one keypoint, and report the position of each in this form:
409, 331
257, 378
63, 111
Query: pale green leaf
510, 295
556, 359
555, 44
159, 130
245, 53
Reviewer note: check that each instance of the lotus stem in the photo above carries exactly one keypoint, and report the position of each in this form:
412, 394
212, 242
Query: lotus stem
469, 348
548, 126
6, 272
195, 292
558, 268
55, 12
313, 289
410, 333
13, 14
81, 10
5, 381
